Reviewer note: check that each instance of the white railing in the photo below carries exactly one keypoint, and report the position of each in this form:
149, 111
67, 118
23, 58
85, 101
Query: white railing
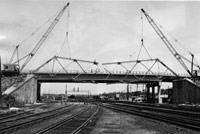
116, 72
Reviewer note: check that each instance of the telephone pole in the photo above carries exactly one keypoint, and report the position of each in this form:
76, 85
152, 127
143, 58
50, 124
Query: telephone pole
127, 92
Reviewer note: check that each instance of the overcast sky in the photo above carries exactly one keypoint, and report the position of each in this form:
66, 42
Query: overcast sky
102, 31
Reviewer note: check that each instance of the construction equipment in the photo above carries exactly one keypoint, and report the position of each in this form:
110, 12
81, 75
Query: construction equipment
10, 70
13, 68
179, 57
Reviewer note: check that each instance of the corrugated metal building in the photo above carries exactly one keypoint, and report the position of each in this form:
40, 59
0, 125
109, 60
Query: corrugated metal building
185, 92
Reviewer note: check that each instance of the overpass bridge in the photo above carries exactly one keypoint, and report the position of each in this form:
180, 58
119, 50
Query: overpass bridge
109, 78
28, 91
101, 73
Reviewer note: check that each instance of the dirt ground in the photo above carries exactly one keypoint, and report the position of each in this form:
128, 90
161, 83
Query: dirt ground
112, 122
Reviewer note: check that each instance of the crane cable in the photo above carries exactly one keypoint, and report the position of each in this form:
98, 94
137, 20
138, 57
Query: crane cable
68, 13
66, 36
177, 41
32, 34
158, 67
142, 39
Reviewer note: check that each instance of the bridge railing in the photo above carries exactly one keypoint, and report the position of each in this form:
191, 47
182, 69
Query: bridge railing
97, 71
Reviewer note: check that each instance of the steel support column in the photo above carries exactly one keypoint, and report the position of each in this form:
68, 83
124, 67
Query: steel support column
151, 98
148, 93
38, 91
153, 94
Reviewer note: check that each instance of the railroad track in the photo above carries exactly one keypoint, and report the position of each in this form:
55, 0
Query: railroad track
27, 114
15, 123
183, 113
26, 111
74, 123
183, 121
167, 106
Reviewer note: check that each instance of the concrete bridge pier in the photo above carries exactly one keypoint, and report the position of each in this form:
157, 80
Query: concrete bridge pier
151, 92
27, 91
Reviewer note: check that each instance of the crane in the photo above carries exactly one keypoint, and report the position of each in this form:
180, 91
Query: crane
170, 46
44, 37
14, 67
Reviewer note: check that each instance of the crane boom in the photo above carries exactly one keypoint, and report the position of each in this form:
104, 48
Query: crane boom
166, 42
44, 37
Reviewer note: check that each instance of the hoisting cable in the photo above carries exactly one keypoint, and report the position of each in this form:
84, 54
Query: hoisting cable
142, 39
177, 41
63, 44
53, 64
139, 52
158, 67
68, 13
147, 51
44, 37
32, 34
66, 36
141, 35
64, 67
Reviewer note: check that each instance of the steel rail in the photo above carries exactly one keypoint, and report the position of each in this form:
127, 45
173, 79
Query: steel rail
156, 105
37, 114
8, 128
62, 122
4, 117
86, 122
195, 115
177, 121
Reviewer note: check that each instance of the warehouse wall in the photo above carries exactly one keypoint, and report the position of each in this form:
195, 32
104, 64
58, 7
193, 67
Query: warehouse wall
185, 91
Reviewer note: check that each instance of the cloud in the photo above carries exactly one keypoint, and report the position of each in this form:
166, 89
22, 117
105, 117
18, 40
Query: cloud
112, 46
2, 37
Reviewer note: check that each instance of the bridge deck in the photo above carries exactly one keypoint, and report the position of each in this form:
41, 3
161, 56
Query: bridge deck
78, 77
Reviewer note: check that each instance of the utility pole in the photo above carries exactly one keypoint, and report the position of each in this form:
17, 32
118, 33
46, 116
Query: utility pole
127, 92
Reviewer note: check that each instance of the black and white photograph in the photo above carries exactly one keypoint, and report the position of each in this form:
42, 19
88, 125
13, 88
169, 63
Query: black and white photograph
99, 67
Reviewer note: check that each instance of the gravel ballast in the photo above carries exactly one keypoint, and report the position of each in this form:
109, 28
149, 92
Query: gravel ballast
112, 122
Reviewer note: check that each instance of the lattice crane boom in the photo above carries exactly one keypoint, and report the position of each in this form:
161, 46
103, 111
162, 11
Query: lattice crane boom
44, 37
166, 42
